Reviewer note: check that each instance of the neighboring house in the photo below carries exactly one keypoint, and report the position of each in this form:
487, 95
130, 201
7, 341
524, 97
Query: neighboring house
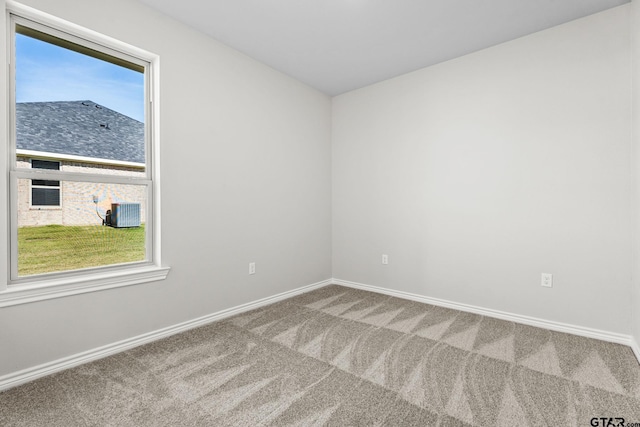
76, 136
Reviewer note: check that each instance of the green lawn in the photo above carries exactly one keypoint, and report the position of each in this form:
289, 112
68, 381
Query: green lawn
54, 248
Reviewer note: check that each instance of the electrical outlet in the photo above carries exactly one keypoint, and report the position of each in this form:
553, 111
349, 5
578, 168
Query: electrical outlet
252, 268
385, 259
546, 280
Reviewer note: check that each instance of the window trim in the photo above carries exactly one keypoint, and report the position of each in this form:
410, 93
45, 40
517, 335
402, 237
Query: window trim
14, 290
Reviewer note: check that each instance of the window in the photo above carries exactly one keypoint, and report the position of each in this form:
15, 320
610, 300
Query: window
83, 161
45, 193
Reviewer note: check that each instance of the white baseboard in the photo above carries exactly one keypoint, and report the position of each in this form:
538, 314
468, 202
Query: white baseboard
33, 373
526, 320
30, 374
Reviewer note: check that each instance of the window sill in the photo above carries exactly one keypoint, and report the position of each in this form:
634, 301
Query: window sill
62, 287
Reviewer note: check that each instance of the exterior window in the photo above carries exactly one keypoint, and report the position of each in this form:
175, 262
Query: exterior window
83, 104
45, 192
83, 161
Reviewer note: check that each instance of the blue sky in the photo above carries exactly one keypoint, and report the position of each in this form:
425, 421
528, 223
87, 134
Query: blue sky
45, 72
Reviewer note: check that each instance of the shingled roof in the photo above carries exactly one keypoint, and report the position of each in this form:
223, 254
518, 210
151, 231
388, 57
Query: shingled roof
80, 128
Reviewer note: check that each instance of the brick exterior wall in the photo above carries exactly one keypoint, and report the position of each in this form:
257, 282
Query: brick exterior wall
76, 198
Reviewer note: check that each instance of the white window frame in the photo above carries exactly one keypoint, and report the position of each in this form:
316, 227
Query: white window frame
26, 289
47, 187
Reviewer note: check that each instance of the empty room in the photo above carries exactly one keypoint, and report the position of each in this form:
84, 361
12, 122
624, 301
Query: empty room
340, 212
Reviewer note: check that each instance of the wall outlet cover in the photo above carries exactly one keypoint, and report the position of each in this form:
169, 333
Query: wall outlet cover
546, 280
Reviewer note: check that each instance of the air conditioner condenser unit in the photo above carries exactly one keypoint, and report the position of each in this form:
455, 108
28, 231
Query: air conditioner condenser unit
124, 215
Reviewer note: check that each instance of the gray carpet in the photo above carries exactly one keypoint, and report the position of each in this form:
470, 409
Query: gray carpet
343, 357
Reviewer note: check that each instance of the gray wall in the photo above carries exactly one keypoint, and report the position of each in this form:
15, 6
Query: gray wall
478, 174
245, 177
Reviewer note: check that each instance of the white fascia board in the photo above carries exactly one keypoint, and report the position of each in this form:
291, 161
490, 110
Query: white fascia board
83, 159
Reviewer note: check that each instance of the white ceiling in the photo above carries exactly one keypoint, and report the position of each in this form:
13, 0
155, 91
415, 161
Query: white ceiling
340, 45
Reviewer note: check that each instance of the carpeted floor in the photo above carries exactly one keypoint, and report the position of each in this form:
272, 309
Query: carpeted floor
343, 357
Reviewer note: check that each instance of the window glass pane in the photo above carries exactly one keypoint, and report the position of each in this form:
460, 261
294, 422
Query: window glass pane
45, 164
74, 237
80, 104
45, 197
